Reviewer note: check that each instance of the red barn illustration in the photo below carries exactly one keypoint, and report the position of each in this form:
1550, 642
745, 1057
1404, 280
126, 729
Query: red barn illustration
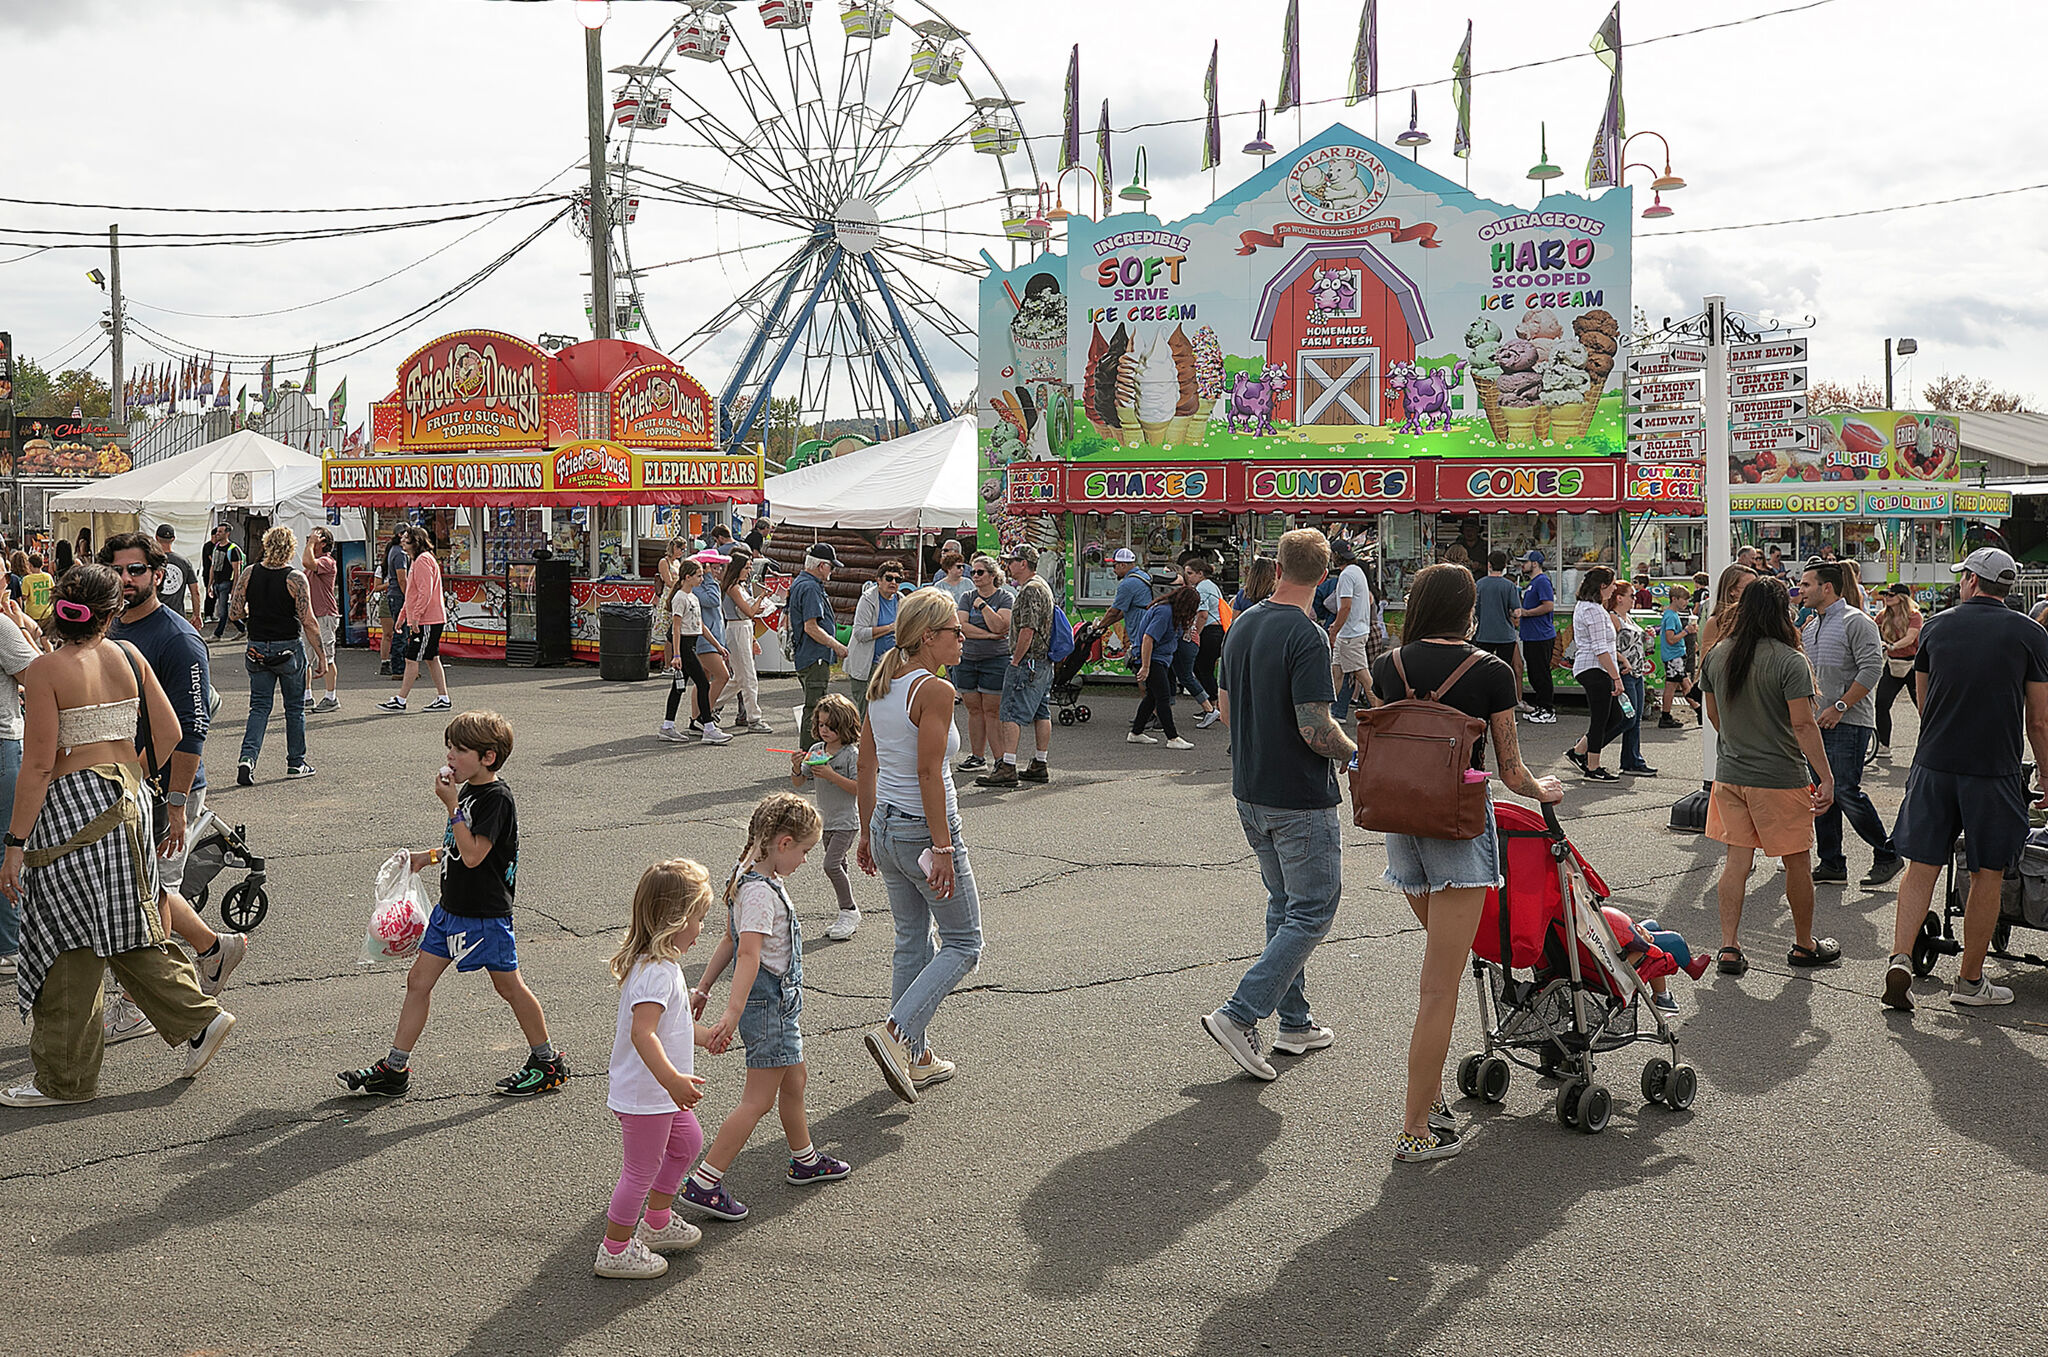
1337, 317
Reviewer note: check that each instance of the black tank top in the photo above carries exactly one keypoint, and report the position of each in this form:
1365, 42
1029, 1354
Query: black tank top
273, 616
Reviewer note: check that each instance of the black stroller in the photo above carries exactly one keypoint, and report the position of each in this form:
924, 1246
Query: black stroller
244, 904
1066, 676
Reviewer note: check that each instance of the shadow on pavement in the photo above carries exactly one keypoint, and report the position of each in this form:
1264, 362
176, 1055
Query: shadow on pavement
1985, 1086
1748, 1044
1406, 1270
1129, 1202
260, 1155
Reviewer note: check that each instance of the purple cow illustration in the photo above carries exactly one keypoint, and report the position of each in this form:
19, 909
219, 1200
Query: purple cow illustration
1254, 401
1334, 293
1425, 396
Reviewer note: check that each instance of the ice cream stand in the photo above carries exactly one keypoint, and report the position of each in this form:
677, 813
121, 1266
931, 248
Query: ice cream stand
1347, 340
504, 452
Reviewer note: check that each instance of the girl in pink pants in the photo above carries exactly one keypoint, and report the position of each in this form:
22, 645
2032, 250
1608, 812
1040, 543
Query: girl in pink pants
652, 1087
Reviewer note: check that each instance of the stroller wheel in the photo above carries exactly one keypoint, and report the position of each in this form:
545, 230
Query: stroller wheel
1081, 713
1493, 1079
1681, 1088
1468, 1075
1596, 1107
244, 906
198, 898
1656, 1077
1066, 716
1926, 946
1568, 1104
2001, 935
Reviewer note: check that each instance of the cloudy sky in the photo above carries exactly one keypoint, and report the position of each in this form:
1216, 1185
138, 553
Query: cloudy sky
1837, 107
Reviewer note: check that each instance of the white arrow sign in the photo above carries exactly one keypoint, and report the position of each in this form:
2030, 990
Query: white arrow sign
1675, 391
1775, 438
1769, 382
1665, 364
1684, 448
1768, 410
1653, 423
1767, 353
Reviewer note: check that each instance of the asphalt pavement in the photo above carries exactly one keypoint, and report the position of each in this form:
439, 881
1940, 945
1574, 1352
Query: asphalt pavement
1098, 1179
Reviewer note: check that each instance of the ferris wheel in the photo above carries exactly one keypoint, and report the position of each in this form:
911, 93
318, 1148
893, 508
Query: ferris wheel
846, 176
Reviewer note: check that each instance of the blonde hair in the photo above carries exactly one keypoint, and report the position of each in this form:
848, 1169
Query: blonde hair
837, 711
919, 615
671, 896
777, 814
280, 545
1304, 556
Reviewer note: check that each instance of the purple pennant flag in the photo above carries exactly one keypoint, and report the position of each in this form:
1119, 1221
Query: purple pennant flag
1603, 166
1070, 141
1212, 134
1290, 60
1102, 164
1365, 57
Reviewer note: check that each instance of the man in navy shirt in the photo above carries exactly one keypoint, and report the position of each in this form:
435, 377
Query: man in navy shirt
1982, 673
176, 653
815, 628
1539, 637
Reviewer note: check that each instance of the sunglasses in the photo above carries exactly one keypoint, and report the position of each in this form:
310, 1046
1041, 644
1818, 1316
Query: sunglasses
977, 571
942, 631
136, 569
891, 579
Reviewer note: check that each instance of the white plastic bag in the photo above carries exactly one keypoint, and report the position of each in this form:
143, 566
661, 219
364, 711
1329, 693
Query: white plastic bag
399, 918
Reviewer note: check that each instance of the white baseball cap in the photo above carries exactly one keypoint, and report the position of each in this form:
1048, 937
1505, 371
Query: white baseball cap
1124, 555
1989, 563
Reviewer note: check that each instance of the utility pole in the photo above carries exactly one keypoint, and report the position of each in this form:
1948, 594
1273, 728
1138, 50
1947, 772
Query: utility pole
119, 384
600, 210
1720, 531
1887, 372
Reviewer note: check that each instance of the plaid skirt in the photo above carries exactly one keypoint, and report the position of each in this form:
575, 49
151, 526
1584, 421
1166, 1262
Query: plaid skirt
100, 895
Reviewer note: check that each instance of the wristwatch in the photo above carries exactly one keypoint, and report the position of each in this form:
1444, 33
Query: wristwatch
177, 799
14, 840
1842, 707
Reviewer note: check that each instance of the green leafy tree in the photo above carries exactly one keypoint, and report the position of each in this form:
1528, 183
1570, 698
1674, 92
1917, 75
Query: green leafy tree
73, 388
780, 438
32, 385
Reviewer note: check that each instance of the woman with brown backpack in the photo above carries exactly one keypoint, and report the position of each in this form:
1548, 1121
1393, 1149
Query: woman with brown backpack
1446, 879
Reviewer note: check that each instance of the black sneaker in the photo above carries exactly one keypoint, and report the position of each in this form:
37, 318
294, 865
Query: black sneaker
1669, 722
1831, 876
245, 775
380, 1078
1882, 870
537, 1077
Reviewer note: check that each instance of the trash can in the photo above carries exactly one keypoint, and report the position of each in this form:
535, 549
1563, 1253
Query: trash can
623, 630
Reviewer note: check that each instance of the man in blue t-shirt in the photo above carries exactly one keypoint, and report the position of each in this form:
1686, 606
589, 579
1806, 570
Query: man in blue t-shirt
1133, 598
1539, 637
815, 628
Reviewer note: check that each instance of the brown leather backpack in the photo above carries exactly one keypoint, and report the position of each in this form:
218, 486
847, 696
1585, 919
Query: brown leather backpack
1412, 758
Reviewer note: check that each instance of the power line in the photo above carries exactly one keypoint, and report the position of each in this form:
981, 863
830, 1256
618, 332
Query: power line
1838, 216
267, 211
172, 240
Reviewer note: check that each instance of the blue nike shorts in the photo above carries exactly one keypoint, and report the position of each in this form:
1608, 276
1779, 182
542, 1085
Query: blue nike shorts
472, 944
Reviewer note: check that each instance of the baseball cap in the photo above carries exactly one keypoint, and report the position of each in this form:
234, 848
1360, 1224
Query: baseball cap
1535, 556
1124, 555
1342, 550
1026, 553
821, 551
166, 533
1989, 563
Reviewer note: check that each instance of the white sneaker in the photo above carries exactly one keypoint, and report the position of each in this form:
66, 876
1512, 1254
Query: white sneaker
1979, 993
28, 1095
671, 734
893, 1057
1178, 743
759, 727
10, 965
713, 735
215, 970
842, 927
1208, 719
121, 1020
1139, 739
1301, 1043
678, 1236
1241, 1042
207, 1044
635, 1262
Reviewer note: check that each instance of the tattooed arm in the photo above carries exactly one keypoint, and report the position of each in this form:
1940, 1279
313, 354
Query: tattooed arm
1320, 731
1514, 774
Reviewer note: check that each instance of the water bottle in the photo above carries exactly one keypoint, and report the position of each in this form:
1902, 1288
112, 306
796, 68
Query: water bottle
1628, 708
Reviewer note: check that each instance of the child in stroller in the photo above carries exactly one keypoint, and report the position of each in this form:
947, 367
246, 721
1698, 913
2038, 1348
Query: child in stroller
1583, 995
1065, 694
214, 848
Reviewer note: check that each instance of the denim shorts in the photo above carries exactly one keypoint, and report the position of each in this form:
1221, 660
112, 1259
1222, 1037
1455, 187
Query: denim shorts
1024, 690
769, 1024
1425, 866
980, 676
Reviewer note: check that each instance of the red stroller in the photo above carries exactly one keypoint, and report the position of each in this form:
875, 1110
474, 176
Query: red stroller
1579, 1000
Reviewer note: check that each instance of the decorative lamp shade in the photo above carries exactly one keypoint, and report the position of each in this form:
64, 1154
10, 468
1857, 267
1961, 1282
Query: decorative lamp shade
1135, 191
1667, 182
1656, 211
1414, 136
1258, 145
1543, 170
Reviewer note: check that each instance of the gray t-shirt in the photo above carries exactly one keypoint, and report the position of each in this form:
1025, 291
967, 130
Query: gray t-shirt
15, 655
977, 609
1498, 599
837, 808
1758, 748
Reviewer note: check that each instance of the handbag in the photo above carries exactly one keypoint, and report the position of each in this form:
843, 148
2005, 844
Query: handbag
1413, 757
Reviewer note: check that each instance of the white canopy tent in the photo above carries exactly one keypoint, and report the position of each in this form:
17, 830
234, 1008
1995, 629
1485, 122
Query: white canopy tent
923, 480
243, 472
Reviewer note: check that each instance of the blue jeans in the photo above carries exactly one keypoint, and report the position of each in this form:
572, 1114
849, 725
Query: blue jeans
1299, 863
1632, 731
1845, 746
264, 683
920, 977
10, 769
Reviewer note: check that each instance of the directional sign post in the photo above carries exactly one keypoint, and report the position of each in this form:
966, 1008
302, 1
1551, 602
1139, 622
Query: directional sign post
1657, 423
1768, 410
1775, 438
1672, 391
1660, 364
1689, 447
1770, 382
1767, 353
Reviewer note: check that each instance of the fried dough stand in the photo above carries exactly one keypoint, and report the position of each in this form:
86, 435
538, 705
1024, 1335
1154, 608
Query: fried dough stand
504, 452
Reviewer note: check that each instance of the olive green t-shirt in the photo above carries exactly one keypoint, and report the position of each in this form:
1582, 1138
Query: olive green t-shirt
1757, 746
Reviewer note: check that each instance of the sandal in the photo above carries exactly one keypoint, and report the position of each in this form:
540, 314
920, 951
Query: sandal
1824, 952
1731, 961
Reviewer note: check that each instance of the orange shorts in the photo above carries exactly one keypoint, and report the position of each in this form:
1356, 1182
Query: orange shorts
1778, 821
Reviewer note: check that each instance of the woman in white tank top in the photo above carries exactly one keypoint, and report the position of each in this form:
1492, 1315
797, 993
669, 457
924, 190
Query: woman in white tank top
906, 791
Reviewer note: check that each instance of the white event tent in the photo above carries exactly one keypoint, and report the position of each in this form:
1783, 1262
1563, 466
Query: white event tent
923, 480
243, 472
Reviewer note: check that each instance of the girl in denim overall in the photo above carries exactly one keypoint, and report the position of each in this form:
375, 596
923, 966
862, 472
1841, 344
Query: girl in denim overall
764, 944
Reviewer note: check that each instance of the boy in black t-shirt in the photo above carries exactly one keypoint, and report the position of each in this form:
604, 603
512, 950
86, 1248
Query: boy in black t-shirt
472, 926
